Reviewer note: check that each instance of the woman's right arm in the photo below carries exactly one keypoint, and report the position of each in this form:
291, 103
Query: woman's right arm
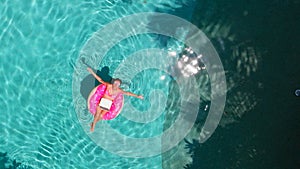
96, 76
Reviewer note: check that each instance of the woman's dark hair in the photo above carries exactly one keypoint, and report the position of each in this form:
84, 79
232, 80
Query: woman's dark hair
116, 79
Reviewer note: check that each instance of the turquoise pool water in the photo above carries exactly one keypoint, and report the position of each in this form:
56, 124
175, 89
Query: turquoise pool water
40, 46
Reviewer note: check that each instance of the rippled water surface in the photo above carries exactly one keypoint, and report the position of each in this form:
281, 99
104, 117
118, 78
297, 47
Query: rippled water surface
40, 42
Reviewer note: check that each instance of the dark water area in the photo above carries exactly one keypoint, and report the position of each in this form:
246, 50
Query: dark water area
268, 134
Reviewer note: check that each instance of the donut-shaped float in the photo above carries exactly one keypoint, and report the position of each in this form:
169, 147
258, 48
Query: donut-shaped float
94, 99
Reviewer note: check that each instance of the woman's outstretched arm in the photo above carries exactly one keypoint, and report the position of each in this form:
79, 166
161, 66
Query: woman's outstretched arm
96, 76
132, 94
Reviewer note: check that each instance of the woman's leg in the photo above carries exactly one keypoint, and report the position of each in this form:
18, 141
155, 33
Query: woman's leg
97, 116
102, 113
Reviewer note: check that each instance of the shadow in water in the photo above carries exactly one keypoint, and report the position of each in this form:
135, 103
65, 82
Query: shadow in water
249, 40
8, 163
213, 153
89, 82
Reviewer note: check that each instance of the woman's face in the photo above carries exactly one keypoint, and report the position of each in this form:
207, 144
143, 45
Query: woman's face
116, 83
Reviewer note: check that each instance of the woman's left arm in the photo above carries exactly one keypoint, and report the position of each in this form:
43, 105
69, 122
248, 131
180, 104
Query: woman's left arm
132, 94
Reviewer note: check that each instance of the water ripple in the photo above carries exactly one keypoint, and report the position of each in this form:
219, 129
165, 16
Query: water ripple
38, 122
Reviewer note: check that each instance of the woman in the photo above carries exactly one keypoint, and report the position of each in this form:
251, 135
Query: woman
111, 91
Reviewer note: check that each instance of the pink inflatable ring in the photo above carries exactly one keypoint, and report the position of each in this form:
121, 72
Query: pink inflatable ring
95, 97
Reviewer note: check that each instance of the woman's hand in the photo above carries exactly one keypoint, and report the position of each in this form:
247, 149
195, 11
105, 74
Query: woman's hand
96, 76
140, 97
90, 70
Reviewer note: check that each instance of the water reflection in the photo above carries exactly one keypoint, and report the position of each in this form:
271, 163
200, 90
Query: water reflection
241, 62
188, 63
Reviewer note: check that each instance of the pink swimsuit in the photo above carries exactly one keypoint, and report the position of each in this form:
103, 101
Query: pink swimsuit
115, 107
